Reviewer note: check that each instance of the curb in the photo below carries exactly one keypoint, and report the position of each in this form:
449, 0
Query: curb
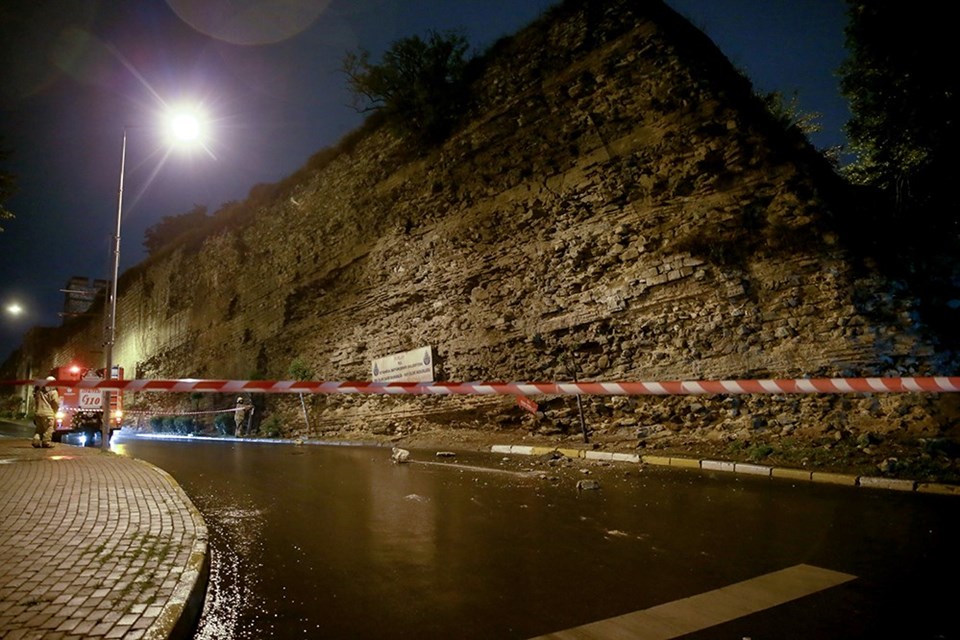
180, 615
780, 473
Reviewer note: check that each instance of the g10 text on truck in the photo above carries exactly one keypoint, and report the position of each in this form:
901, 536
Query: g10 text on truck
81, 410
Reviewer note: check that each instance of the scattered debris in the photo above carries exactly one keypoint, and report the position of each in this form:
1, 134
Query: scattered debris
588, 485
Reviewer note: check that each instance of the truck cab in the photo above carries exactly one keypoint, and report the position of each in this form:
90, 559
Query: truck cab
81, 410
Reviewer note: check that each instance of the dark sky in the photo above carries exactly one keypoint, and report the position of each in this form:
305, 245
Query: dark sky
76, 73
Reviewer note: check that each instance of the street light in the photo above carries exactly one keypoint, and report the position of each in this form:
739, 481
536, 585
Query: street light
14, 309
184, 127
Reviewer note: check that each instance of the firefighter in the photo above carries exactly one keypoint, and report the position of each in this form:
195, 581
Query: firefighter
46, 402
242, 411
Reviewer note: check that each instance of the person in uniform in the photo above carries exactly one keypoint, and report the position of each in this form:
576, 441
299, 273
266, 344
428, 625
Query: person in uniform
46, 403
242, 411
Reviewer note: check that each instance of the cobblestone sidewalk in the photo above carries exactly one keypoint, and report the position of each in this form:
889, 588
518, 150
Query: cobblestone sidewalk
96, 545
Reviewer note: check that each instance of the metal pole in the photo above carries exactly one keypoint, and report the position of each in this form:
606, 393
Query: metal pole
306, 418
573, 372
111, 306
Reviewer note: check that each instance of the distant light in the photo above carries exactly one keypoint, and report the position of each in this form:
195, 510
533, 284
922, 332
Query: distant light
14, 309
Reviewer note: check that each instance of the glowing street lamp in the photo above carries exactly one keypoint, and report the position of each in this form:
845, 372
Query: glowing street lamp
184, 127
14, 309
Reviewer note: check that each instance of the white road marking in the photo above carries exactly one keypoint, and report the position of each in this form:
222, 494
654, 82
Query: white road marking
709, 609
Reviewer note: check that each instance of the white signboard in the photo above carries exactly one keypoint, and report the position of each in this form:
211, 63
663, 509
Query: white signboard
410, 366
91, 399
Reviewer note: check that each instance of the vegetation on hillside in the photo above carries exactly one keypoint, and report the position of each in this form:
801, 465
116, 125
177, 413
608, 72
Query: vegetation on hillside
189, 230
904, 132
171, 228
904, 105
420, 85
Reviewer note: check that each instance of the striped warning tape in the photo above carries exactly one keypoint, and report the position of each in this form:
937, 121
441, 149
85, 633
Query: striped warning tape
677, 387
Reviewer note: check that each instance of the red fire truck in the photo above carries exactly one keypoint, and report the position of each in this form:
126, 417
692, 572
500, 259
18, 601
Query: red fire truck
81, 410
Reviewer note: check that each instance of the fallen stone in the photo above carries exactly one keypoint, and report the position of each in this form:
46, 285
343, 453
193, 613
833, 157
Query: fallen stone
588, 485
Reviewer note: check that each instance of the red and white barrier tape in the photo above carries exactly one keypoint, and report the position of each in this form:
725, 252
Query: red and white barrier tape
677, 387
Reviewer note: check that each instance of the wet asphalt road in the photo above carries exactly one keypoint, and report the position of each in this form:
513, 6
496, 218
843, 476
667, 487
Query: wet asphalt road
338, 542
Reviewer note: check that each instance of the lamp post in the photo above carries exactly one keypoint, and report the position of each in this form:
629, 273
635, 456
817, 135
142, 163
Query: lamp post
110, 327
184, 127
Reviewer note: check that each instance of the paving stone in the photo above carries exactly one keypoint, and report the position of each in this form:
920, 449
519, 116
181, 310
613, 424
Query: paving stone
105, 512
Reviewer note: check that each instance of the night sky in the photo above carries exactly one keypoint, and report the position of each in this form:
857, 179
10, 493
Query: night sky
77, 73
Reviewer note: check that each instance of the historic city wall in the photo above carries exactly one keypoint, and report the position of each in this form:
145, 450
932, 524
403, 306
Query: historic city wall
618, 194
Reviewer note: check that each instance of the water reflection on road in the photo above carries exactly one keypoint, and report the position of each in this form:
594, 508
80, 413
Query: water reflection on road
235, 526
338, 542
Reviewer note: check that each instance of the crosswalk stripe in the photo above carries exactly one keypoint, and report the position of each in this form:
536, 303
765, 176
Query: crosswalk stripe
709, 609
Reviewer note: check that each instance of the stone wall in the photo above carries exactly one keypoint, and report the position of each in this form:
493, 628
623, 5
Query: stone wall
617, 194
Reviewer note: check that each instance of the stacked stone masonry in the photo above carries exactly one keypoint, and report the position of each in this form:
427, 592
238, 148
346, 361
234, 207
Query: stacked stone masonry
613, 195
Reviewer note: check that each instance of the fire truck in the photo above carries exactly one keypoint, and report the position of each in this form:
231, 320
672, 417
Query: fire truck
81, 410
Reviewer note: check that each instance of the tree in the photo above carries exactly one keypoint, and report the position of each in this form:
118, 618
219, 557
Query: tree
300, 370
172, 227
420, 86
793, 118
903, 98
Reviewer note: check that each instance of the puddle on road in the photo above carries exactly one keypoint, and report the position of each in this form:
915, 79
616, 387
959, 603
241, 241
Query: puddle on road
233, 542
